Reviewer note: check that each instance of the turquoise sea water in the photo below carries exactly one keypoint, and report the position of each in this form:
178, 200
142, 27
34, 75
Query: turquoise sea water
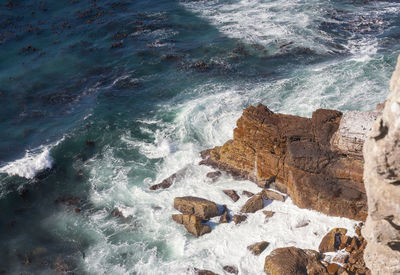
101, 99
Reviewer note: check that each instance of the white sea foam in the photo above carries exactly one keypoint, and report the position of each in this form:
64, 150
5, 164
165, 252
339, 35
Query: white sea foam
150, 242
34, 161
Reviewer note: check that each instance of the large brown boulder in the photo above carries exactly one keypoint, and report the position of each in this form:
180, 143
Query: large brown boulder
382, 182
199, 207
294, 155
293, 261
192, 224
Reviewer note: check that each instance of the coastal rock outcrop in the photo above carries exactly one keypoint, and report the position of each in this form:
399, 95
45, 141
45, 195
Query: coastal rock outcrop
300, 156
382, 183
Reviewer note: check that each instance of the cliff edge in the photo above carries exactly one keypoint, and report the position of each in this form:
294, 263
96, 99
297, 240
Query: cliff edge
382, 184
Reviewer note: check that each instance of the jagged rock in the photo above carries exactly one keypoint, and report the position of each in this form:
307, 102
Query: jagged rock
331, 241
232, 194
293, 261
199, 207
272, 195
204, 272
166, 183
382, 183
247, 193
231, 269
294, 154
214, 176
253, 204
258, 248
239, 218
192, 224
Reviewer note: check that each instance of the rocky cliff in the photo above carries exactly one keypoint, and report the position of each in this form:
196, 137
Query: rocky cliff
317, 160
382, 183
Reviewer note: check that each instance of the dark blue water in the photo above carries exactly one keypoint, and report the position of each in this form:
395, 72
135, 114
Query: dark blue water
100, 99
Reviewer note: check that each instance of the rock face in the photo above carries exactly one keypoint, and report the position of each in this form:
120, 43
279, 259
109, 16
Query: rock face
199, 207
382, 183
293, 261
294, 155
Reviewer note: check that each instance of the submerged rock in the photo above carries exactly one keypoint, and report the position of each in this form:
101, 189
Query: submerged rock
199, 207
295, 155
258, 248
382, 183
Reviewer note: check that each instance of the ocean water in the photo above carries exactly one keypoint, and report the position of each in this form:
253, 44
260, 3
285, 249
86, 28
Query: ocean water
101, 99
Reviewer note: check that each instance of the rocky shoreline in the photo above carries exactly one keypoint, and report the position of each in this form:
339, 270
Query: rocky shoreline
319, 163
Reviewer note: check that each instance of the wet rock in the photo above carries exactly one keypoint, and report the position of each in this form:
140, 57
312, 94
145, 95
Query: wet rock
331, 241
293, 261
193, 224
77, 210
253, 204
199, 207
214, 176
295, 152
268, 214
232, 194
382, 183
239, 218
258, 248
231, 269
247, 193
272, 195
166, 183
